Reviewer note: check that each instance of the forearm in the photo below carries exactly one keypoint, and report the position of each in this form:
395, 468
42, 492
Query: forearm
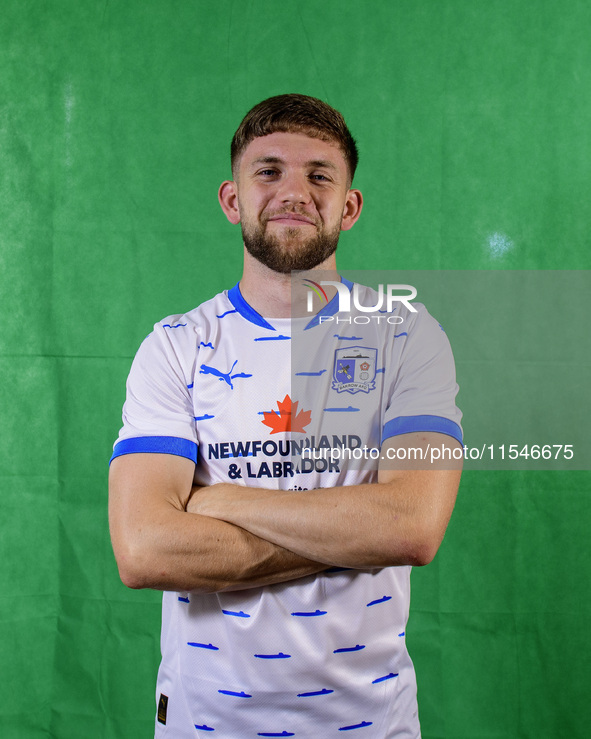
157, 544
195, 553
328, 525
399, 522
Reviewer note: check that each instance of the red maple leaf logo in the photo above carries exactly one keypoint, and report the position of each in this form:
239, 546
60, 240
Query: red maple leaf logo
288, 418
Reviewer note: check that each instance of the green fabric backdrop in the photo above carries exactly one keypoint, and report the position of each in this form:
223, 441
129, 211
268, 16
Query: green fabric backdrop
473, 120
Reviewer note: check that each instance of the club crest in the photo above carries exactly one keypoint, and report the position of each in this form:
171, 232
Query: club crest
354, 370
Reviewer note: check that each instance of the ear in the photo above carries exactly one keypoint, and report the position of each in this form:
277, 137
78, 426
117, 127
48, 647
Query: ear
352, 209
228, 197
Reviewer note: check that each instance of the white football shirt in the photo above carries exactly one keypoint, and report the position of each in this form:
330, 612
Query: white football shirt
243, 397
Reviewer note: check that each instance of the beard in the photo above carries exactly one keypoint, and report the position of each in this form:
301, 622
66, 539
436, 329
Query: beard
292, 253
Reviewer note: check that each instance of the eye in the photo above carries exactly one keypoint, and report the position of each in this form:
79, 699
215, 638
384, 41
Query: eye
317, 177
267, 172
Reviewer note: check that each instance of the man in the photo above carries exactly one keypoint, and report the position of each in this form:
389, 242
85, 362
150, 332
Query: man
284, 612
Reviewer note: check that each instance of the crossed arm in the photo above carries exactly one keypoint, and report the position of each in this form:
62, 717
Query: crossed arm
169, 535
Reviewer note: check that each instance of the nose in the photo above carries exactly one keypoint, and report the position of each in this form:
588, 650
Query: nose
294, 189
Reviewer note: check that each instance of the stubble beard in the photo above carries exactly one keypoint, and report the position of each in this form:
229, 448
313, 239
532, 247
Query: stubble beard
291, 254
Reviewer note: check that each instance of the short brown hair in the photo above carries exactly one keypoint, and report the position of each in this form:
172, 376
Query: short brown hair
295, 113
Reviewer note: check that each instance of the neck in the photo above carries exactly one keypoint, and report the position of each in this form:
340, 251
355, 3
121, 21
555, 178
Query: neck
277, 295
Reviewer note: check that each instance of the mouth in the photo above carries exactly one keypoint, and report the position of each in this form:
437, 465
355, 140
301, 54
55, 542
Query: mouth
291, 219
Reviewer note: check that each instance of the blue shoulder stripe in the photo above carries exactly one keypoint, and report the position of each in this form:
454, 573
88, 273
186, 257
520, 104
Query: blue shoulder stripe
410, 424
156, 445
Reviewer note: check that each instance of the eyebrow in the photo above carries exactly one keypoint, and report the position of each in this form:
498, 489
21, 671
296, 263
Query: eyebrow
313, 163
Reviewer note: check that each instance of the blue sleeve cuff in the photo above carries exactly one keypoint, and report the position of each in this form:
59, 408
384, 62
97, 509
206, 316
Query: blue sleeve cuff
156, 445
411, 424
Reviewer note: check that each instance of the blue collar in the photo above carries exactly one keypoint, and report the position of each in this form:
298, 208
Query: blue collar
248, 312
245, 309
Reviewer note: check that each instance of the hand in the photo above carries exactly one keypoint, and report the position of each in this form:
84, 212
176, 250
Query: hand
201, 500
217, 501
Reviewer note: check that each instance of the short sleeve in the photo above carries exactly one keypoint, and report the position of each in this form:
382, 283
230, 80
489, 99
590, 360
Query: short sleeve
423, 390
158, 412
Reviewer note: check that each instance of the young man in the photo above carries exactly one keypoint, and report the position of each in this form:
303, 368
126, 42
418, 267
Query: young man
286, 579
